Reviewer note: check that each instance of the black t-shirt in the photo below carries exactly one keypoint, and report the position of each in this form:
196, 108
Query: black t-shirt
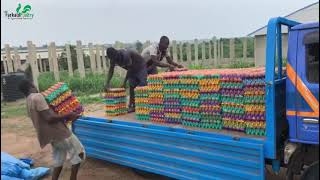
129, 60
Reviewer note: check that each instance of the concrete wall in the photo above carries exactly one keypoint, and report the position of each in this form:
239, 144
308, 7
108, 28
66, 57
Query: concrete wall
260, 45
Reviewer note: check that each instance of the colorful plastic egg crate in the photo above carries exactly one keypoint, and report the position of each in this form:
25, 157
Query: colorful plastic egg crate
62, 101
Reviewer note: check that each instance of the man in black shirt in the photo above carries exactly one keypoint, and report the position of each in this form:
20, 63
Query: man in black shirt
135, 65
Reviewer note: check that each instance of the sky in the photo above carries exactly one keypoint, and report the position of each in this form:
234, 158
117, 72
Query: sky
107, 21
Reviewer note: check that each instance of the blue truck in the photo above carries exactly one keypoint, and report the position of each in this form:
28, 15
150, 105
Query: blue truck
292, 125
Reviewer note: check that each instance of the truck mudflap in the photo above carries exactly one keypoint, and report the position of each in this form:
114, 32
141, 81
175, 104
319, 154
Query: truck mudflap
172, 152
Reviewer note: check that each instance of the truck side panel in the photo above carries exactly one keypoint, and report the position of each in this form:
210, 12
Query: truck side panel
171, 151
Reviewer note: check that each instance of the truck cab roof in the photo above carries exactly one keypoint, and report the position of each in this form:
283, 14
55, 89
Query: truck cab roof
306, 26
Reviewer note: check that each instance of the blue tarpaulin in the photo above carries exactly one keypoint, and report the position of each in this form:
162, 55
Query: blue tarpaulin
15, 169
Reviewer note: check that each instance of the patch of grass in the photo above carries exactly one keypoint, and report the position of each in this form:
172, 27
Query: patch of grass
238, 64
90, 100
9, 110
91, 84
192, 67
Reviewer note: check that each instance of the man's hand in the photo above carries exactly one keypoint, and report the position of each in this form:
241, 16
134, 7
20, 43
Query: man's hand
172, 68
180, 66
72, 116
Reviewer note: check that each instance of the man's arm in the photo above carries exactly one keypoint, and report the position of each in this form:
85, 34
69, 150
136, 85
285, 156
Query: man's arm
170, 61
47, 114
155, 61
110, 74
53, 117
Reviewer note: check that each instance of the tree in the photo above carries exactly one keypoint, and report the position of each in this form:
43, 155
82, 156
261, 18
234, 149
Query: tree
63, 58
139, 46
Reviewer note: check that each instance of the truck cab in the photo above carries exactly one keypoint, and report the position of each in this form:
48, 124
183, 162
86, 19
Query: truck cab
302, 98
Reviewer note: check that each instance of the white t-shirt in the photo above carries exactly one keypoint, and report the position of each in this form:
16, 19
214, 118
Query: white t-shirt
153, 50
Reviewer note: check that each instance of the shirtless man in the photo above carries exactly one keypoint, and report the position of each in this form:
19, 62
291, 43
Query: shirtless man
136, 70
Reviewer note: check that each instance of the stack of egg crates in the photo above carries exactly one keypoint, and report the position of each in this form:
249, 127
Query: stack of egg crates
190, 102
231, 90
141, 102
155, 92
172, 108
254, 103
62, 101
210, 106
116, 102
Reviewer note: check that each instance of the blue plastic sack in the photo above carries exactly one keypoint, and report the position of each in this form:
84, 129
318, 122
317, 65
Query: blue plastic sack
14, 169
4, 177
27, 161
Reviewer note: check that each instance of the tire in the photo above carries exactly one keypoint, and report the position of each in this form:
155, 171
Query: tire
289, 175
312, 172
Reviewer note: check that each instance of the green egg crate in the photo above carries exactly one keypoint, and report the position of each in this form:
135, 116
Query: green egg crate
210, 125
255, 131
156, 106
189, 123
233, 110
254, 99
208, 117
190, 102
193, 116
115, 101
235, 99
228, 85
52, 96
141, 95
143, 117
171, 87
171, 95
211, 96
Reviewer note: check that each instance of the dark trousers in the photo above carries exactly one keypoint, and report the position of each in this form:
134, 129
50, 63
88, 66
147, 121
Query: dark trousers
152, 70
136, 79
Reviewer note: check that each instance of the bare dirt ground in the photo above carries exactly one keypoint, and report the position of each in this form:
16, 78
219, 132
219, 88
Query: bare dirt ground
18, 138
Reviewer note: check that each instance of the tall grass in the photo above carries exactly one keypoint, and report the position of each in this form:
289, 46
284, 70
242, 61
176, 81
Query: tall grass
238, 64
91, 84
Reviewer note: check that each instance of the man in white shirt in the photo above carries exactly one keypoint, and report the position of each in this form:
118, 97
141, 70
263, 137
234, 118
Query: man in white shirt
154, 54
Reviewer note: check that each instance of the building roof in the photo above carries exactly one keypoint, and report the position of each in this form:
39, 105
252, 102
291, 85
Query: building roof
306, 14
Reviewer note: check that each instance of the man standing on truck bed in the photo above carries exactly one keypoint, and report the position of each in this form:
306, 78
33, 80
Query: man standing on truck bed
135, 65
154, 54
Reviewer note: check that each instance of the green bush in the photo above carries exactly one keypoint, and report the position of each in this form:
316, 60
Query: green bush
91, 84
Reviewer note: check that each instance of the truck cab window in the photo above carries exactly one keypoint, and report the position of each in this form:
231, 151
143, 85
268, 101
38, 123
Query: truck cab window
311, 42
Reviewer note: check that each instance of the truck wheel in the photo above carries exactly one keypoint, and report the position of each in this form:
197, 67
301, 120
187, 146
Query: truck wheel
289, 175
312, 172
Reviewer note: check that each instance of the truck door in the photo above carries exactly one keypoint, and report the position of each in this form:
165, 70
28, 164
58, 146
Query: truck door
307, 86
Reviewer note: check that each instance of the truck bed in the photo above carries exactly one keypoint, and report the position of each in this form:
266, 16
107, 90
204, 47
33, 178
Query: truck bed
171, 150
132, 118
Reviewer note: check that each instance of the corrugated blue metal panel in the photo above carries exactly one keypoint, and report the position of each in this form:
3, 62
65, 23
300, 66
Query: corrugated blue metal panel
171, 152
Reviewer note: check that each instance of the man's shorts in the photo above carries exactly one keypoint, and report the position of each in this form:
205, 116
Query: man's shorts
71, 148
